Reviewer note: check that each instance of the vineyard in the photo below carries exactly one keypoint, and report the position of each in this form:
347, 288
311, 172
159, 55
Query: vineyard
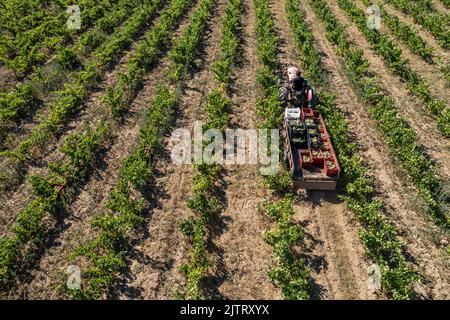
94, 206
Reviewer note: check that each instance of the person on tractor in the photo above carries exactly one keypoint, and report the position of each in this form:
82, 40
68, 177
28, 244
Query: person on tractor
296, 91
295, 78
296, 87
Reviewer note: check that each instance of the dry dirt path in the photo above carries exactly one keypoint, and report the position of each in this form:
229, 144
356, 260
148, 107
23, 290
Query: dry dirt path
336, 258
408, 106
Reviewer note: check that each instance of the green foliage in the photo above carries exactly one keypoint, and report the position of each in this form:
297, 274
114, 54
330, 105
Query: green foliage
81, 148
125, 212
14, 105
31, 36
424, 13
408, 34
107, 252
216, 107
18, 104
290, 274
90, 41
52, 192
280, 183
205, 205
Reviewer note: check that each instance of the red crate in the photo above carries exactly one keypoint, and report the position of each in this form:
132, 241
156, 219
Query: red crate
323, 137
317, 156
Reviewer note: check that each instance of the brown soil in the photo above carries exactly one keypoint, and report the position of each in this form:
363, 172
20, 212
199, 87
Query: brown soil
407, 105
424, 240
244, 257
75, 228
337, 256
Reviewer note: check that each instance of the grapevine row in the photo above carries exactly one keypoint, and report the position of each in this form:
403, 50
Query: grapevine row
401, 139
72, 97
20, 51
52, 192
411, 38
446, 3
23, 99
290, 272
204, 203
120, 96
391, 54
424, 13
107, 252
378, 235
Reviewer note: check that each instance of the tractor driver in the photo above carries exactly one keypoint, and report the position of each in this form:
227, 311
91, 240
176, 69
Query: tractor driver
296, 81
297, 84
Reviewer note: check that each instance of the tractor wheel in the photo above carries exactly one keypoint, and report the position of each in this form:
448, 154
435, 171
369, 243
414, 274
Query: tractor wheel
283, 94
